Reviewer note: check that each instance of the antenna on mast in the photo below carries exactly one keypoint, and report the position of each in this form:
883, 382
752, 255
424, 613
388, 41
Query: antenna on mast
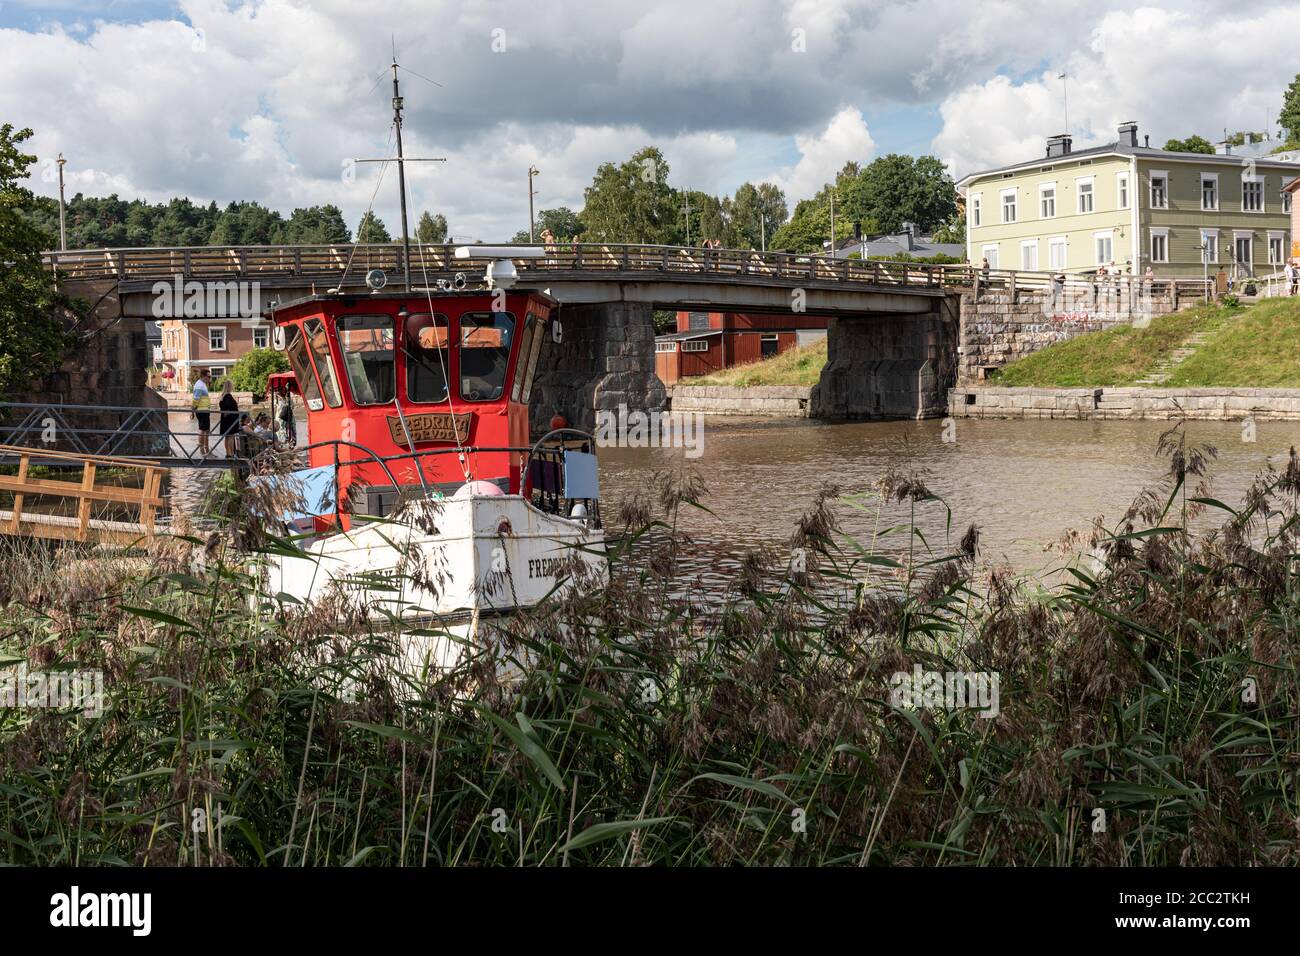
402, 160
1065, 97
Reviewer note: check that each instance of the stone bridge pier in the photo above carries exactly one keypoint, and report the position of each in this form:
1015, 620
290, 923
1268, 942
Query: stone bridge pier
605, 357
887, 365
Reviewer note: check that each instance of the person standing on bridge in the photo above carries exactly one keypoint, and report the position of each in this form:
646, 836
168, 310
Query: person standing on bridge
229, 423
200, 407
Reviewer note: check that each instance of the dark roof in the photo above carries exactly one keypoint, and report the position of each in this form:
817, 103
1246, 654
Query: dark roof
1141, 152
694, 334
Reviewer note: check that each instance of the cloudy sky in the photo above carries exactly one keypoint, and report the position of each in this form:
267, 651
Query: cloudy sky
269, 100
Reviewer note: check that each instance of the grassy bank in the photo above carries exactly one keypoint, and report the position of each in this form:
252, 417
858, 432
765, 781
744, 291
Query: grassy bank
1260, 349
1115, 356
798, 366
652, 730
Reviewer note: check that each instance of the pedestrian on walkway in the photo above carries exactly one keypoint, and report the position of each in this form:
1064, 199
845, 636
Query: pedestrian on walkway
229, 423
1292, 277
201, 409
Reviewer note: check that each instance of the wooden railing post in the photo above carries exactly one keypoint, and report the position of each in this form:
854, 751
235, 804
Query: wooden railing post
83, 504
23, 462
152, 483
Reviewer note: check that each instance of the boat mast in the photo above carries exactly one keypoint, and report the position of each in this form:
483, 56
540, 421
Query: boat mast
401, 179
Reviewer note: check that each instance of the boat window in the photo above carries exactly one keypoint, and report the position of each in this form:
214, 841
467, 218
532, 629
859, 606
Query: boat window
525, 349
536, 350
367, 345
296, 348
485, 339
320, 353
428, 363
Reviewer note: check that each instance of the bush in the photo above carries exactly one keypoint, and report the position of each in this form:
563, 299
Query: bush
249, 374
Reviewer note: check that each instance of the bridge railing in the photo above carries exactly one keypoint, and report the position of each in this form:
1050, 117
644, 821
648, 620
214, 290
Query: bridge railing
566, 259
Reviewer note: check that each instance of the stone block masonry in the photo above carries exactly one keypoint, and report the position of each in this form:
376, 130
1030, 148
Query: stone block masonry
999, 327
1131, 403
765, 401
605, 357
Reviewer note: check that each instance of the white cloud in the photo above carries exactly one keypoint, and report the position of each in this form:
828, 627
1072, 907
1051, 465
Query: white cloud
1174, 73
845, 138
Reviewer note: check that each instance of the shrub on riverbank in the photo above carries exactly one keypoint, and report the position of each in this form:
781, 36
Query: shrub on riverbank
1146, 713
1116, 356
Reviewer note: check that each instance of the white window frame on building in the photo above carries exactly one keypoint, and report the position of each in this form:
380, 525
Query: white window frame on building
1238, 236
1054, 244
1090, 193
1210, 239
1108, 235
1005, 195
695, 345
1286, 203
1159, 246
1029, 255
1213, 180
261, 336
212, 345
976, 210
1047, 200
1162, 175
216, 371
1121, 191
669, 346
1256, 184
985, 251
1277, 240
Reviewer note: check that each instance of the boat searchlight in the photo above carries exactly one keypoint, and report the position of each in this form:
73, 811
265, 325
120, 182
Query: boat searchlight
501, 272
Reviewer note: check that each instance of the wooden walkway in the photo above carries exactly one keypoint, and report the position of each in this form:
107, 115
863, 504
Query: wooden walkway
143, 502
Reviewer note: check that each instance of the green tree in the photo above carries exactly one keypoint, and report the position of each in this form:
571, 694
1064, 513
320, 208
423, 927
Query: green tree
1289, 119
247, 224
250, 372
317, 225
757, 212
1193, 144
632, 202
564, 223
431, 229
32, 337
954, 230
895, 189
372, 229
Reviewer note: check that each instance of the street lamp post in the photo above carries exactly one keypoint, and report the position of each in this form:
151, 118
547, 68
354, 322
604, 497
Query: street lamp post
63, 231
532, 223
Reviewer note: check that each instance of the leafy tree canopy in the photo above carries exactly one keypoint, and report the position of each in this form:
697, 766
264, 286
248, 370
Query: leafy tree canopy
1193, 144
1289, 119
372, 229
431, 228
32, 337
249, 374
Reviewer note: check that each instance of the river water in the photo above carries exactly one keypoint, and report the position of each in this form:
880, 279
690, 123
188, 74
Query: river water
1024, 483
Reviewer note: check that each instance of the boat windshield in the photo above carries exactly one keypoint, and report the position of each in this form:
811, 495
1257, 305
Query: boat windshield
485, 339
320, 353
427, 360
366, 342
296, 349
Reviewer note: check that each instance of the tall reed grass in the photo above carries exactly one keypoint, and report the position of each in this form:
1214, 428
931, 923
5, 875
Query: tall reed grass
1147, 711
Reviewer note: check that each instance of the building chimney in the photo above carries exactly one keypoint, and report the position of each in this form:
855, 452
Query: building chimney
1128, 134
1058, 145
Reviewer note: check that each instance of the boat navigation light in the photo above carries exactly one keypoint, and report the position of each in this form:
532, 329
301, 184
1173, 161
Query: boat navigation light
376, 279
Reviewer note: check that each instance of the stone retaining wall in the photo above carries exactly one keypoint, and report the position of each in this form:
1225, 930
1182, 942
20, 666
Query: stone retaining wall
1158, 404
1000, 327
776, 401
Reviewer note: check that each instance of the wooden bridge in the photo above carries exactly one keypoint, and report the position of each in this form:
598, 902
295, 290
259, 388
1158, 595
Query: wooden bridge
347, 263
140, 503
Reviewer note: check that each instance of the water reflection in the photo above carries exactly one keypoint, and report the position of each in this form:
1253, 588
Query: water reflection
1025, 483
